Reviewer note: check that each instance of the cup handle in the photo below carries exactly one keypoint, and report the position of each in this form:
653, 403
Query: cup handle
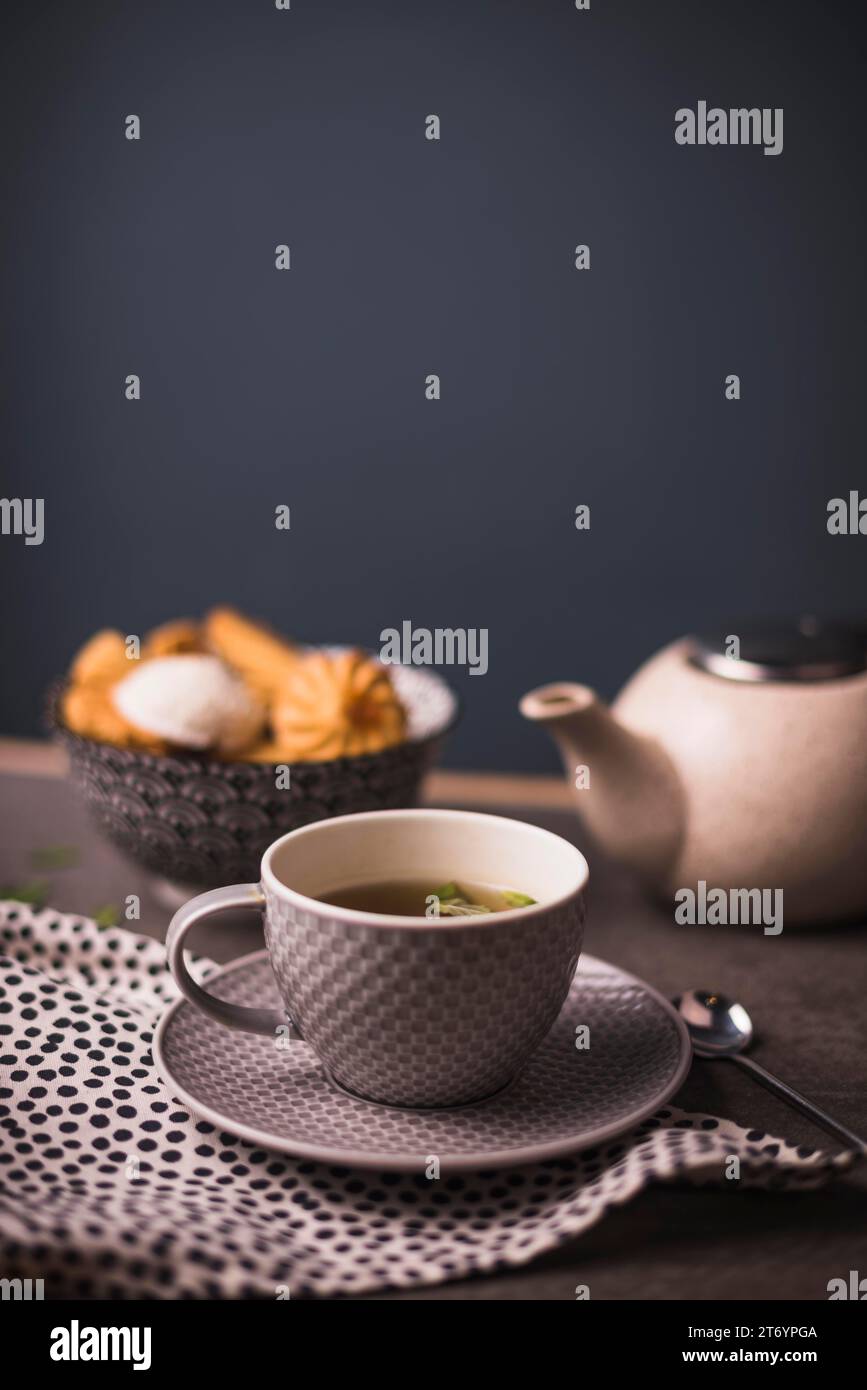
273, 1022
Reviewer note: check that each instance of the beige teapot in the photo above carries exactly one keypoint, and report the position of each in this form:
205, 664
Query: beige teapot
737, 759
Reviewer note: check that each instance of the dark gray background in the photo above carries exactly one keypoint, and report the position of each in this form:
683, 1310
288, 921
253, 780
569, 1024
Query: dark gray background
410, 257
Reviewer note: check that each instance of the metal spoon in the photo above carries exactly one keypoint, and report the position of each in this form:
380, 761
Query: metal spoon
719, 1027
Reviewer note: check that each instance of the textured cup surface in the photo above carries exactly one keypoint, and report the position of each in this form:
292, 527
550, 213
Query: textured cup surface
408, 1013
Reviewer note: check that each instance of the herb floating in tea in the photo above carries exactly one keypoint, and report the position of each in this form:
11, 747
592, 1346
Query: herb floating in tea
402, 897
459, 907
517, 899
457, 902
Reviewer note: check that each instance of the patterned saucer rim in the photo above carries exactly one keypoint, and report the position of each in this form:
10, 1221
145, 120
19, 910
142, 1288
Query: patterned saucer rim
481, 1160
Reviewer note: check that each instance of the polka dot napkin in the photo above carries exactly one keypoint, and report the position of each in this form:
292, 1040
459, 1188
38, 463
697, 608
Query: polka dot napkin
109, 1188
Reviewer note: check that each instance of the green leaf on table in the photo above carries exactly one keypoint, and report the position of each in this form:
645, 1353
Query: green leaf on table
55, 857
35, 894
107, 916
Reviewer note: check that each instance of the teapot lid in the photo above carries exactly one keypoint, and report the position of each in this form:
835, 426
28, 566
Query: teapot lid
802, 649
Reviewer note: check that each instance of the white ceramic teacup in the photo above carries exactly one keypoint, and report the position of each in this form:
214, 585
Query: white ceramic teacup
409, 1011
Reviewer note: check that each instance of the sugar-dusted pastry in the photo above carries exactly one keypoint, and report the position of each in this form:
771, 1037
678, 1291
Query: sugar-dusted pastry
90, 712
336, 704
262, 657
191, 700
101, 661
180, 635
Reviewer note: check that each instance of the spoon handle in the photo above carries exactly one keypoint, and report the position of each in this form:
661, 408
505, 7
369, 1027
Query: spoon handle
773, 1083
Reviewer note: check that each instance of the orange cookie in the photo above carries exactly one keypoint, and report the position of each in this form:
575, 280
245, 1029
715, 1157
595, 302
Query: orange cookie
262, 657
169, 639
89, 712
101, 661
335, 705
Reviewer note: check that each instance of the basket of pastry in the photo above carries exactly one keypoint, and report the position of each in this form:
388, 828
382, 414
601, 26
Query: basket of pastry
199, 745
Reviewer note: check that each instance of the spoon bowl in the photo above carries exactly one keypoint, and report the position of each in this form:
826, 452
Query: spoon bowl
718, 1026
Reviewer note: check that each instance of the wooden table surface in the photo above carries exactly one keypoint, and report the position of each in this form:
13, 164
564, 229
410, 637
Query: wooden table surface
806, 990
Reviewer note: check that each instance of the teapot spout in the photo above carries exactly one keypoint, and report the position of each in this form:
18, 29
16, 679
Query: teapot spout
627, 788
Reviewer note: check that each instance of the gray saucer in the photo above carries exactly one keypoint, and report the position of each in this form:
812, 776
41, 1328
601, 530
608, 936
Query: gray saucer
277, 1095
